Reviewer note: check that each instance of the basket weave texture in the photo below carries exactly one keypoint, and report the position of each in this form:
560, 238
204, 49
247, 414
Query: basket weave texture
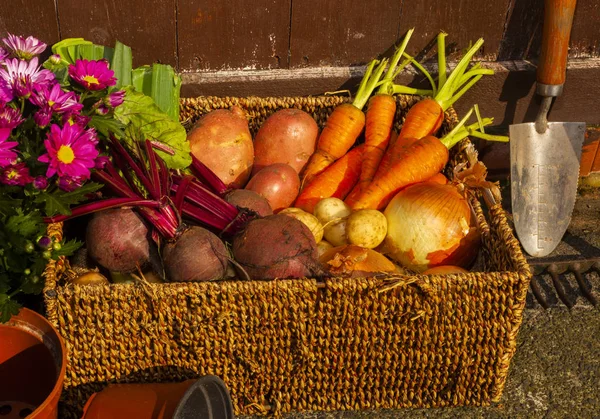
300, 345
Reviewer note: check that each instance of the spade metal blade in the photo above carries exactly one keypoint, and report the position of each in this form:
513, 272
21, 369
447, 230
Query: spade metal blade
544, 175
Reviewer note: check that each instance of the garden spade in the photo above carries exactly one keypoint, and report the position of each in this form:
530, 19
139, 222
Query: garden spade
545, 156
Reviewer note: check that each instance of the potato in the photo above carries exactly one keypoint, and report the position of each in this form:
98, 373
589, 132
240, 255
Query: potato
335, 232
366, 228
329, 209
222, 141
323, 246
278, 183
308, 219
288, 136
90, 278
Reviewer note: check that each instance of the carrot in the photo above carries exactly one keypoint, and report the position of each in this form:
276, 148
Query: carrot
426, 116
343, 126
380, 115
335, 181
438, 178
415, 163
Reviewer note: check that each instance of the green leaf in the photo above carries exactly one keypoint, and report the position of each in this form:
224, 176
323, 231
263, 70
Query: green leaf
122, 64
8, 308
68, 248
26, 225
67, 48
58, 202
162, 84
105, 126
141, 79
8, 205
145, 120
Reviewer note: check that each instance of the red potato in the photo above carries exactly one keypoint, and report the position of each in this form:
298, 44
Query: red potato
288, 136
278, 183
222, 141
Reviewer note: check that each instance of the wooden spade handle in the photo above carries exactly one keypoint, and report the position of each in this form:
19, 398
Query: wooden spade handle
558, 20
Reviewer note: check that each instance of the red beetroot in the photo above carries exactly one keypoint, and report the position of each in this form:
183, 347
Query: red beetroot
117, 239
245, 198
197, 255
277, 246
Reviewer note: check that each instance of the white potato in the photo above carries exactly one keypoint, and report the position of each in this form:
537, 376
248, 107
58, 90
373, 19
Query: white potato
313, 224
335, 232
366, 228
329, 209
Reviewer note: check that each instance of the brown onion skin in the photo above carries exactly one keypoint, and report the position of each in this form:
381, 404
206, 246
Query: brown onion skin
430, 213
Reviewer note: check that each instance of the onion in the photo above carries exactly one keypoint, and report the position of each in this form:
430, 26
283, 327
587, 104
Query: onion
430, 225
355, 261
445, 269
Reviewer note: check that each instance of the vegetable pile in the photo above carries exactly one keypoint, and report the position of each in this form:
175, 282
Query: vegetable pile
356, 198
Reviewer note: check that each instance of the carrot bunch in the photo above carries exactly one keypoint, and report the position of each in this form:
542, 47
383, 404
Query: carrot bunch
343, 126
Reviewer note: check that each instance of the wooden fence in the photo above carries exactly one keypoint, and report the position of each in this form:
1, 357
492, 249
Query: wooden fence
199, 35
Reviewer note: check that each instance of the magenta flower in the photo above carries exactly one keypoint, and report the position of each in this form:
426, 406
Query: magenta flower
40, 182
75, 118
93, 75
115, 99
24, 48
70, 183
15, 174
7, 154
56, 99
6, 92
43, 116
24, 77
101, 162
10, 117
71, 151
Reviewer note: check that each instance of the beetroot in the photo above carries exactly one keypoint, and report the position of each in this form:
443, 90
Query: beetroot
245, 198
117, 239
197, 255
277, 246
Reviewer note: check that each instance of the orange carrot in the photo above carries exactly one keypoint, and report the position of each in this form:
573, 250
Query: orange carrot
438, 178
379, 122
405, 165
426, 116
413, 164
335, 181
380, 118
343, 126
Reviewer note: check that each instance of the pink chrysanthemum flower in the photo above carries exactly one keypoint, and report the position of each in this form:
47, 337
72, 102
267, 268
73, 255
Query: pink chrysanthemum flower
40, 182
25, 76
75, 118
6, 92
56, 99
10, 117
115, 99
7, 154
69, 183
15, 174
3, 54
71, 151
43, 116
93, 75
24, 48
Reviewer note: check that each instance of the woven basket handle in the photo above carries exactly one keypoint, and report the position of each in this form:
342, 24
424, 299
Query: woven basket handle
53, 271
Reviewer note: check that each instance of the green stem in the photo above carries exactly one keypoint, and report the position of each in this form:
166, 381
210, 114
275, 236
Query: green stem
391, 71
446, 93
15, 292
398, 89
473, 73
422, 70
441, 46
458, 132
489, 137
369, 82
462, 91
479, 120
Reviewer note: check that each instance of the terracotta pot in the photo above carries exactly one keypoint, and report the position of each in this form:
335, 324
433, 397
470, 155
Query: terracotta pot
206, 398
32, 367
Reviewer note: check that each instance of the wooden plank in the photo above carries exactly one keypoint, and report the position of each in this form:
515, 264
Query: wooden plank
147, 26
342, 33
585, 36
523, 35
235, 34
464, 20
27, 17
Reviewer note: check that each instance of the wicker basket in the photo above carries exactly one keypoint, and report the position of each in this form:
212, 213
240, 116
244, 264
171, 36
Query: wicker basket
298, 345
